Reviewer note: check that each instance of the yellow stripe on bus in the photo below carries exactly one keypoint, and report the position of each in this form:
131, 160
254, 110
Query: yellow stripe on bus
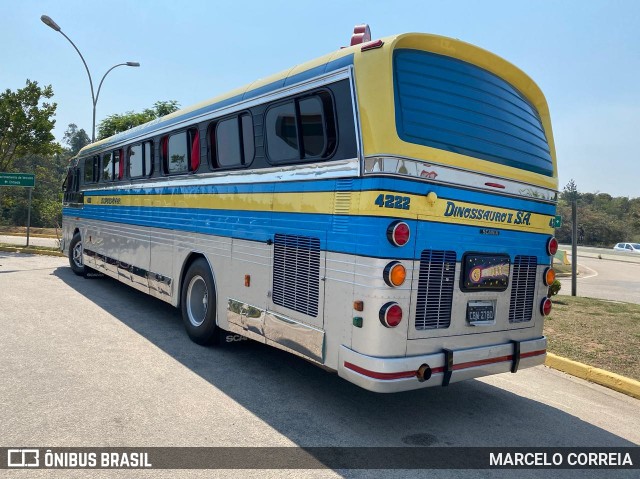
370, 203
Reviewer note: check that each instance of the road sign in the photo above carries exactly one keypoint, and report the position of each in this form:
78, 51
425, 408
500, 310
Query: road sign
557, 223
26, 180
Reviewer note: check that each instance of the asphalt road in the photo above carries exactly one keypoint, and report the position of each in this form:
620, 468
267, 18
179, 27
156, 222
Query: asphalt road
606, 279
91, 362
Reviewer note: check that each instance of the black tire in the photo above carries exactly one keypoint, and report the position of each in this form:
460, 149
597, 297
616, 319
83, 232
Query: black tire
75, 255
198, 303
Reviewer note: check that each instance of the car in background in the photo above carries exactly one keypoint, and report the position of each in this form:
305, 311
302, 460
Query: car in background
627, 247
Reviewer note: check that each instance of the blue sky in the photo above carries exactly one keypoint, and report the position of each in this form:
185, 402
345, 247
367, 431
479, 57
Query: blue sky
585, 55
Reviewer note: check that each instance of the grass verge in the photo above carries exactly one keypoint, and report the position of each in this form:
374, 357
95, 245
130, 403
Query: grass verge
604, 334
12, 248
22, 231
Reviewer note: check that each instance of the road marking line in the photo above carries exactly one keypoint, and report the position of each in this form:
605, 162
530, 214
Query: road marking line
595, 273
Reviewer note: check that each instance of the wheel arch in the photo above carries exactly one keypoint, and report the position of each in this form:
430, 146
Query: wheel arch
188, 261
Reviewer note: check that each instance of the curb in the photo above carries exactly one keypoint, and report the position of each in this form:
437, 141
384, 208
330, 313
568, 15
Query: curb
614, 381
24, 250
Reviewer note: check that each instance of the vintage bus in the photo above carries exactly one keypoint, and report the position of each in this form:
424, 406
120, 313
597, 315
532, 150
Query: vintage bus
384, 211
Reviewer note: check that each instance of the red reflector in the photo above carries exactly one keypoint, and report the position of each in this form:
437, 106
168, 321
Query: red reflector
552, 246
495, 185
390, 315
545, 307
398, 233
371, 45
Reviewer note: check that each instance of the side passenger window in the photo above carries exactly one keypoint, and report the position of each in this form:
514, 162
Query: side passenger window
231, 141
181, 152
300, 129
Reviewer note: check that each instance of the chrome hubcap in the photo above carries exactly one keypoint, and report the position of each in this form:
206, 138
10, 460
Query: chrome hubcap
77, 254
197, 300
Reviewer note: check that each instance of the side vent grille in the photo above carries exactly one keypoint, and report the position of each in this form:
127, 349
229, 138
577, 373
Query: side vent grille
435, 289
342, 205
296, 273
523, 285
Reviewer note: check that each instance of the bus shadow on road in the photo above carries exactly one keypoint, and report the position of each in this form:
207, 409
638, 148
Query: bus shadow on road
313, 407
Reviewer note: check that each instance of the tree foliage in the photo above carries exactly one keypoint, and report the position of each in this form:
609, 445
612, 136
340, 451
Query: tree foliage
121, 122
26, 121
603, 220
76, 138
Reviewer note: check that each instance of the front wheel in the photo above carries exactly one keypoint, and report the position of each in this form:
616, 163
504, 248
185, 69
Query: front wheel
75, 255
198, 303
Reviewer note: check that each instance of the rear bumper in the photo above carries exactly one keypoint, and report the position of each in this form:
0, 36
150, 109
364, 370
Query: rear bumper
387, 375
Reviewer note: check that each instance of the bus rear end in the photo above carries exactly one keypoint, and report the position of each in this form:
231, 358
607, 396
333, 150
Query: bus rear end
455, 221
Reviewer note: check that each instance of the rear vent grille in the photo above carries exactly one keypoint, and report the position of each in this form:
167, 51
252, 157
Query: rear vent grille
523, 285
296, 273
435, 289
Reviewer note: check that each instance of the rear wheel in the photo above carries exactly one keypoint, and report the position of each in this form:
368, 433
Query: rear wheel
75, 255
198, 302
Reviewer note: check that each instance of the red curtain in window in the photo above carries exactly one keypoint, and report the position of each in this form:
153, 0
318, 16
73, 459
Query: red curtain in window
121, 165
164, 145
195, 151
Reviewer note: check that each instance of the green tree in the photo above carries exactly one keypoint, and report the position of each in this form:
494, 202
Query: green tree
76, 138
121, 122
26, 121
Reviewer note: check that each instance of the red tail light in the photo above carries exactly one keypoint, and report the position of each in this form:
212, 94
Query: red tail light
552, 246
390, 315
398, 233
545, 307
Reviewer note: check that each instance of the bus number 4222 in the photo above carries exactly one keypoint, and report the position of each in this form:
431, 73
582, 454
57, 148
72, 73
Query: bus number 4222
391, 201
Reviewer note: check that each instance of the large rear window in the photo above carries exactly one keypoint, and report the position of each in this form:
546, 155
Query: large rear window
455, 106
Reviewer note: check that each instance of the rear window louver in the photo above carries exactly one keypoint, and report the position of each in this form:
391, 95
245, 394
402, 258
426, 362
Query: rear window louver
523, 285
296, 273
435, 289
452, 105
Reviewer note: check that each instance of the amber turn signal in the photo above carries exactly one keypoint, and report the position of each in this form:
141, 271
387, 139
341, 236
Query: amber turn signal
549, 276
394, 274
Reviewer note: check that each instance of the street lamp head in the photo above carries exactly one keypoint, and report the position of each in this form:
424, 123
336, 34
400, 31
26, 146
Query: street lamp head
50, 23
133, 64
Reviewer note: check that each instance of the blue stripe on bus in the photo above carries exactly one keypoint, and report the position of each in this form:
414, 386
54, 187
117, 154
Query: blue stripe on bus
365, 236
359, 184
328, 67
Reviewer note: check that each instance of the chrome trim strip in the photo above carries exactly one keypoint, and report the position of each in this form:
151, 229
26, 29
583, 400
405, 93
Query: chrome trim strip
356, 117
448, 175
275, 329
309, 171
293, 335
140, 279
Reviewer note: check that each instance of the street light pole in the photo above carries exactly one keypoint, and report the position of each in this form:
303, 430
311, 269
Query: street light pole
95, 100
48, 21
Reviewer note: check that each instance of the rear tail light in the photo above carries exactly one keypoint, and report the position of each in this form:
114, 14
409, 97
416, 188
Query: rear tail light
545, 307
398, 233
552, 246
390, 315
394, 274
549, 276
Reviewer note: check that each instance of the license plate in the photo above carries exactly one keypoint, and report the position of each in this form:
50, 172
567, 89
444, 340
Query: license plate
480, 312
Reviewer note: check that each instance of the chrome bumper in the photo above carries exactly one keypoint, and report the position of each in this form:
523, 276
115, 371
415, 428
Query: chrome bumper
387, 375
